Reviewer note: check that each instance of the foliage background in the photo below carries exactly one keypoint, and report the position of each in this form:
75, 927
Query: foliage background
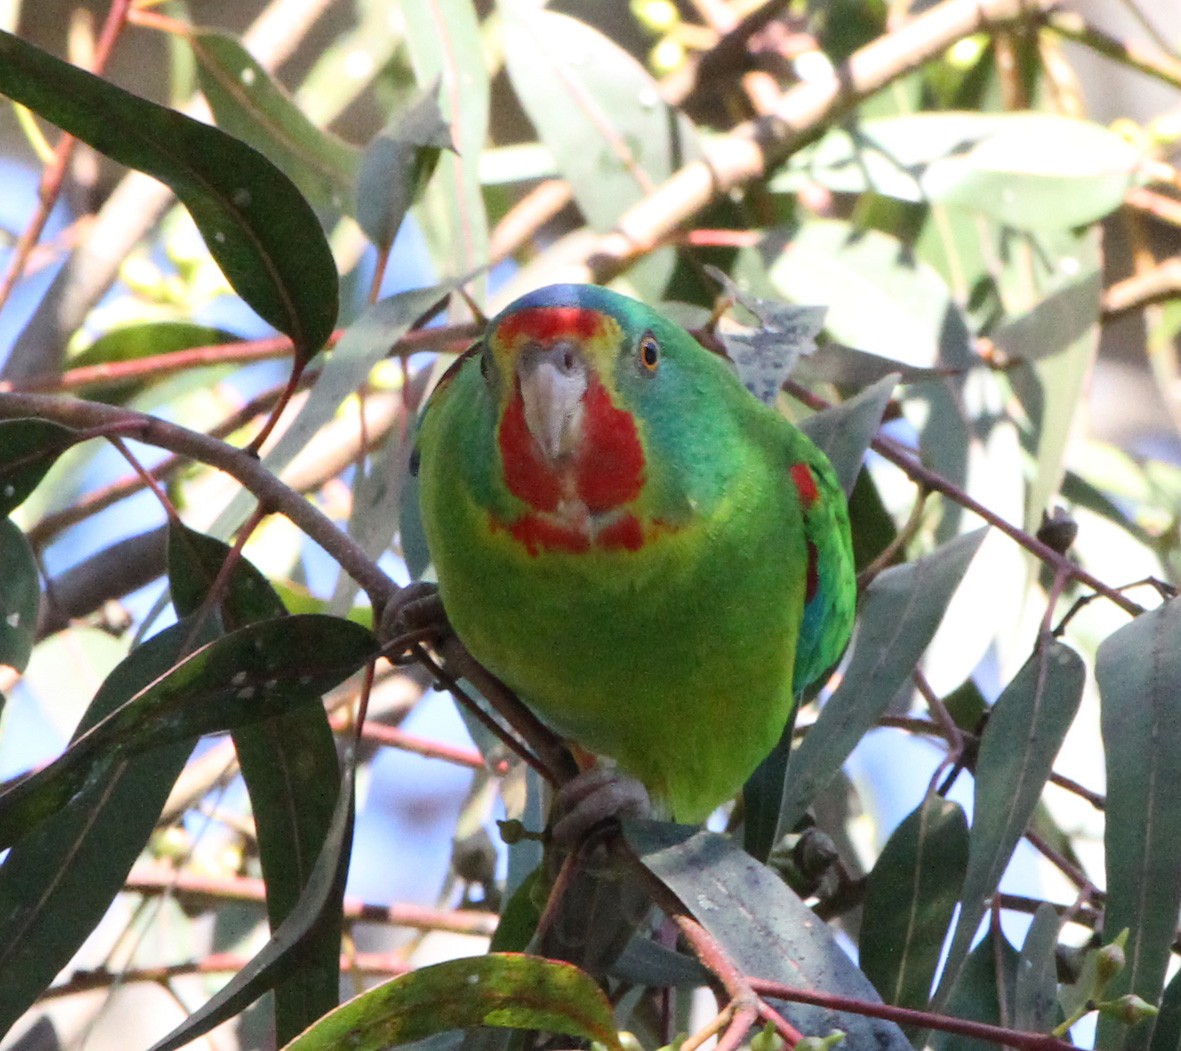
1011, 290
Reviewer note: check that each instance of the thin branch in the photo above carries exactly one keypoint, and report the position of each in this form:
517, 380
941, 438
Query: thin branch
273, 494
994, 1034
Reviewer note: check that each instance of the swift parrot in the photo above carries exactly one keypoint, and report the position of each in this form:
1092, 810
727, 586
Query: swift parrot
654, 560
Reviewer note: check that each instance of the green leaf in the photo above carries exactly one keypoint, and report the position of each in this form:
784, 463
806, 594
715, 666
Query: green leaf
256, 672
364, 343
281, 956
1035, 994
28, 448
58, 881
1026, 170
20, 596
879, 297
291, 772
1167, 1034
844, 432
500, 990
766, 930
250, 105
398, 164
899, 614
443, 38
601, 115
976, 996
1139, 673
910, 899
148, 340
257, 225
1024, 732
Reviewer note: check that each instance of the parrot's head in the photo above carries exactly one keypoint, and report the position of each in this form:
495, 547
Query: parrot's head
572, 370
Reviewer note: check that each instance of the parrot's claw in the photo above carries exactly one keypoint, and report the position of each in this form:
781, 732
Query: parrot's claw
596, 795
414, 614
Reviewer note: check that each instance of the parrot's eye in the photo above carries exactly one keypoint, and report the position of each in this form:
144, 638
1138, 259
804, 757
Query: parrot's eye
649, 352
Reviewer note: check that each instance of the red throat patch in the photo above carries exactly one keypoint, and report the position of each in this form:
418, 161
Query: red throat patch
603, 474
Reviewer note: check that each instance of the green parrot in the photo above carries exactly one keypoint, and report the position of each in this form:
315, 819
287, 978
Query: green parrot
654, 560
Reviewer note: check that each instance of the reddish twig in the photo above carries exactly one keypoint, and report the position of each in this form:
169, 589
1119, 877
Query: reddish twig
994, 1034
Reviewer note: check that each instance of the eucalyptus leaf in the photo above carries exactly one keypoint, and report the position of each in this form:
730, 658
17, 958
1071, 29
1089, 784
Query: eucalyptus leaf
1139, 673
257, 225
20, 596
1024, 731
249, 104
899, 613
501, 990
764, 928
910, 899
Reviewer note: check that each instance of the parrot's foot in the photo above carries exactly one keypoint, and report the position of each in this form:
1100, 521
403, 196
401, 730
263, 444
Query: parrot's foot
594, 796
415, 614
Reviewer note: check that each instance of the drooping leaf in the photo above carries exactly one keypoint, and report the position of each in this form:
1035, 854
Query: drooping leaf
291, 772
277, 960
899, 614
1139, 673
1024, 732
28, 448
500, 990
58, 881
257, 225
910, 899
257, 671
20, 596
253, 107
766, 930
397, 165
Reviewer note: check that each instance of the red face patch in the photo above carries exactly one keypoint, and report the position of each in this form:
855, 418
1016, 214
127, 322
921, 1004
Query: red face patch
545, 324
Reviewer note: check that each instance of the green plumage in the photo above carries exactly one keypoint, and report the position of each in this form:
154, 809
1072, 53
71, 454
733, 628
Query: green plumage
627, 538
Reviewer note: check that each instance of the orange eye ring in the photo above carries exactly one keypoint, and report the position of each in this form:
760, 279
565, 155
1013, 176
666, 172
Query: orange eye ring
649, 352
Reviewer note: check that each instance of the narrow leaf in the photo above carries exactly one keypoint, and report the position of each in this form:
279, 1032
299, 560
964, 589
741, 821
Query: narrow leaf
602, 116
257, 225
292, 775
28, 448
766, 930
977, 997
250, 105
1167, 1034
899, 614
397, 165
58, 881
1139, 674
844, 432
276, 960
20, 596
500, 990
1035, 995
1024, 732
253, 673
910, 900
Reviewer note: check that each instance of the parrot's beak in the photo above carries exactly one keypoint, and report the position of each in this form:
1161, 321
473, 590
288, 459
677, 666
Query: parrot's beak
553, 380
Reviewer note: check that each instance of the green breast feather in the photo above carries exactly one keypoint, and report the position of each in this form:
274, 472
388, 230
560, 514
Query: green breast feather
655, 561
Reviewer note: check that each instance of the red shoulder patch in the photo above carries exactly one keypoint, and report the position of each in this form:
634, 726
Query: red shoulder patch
453, 369
805, 483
